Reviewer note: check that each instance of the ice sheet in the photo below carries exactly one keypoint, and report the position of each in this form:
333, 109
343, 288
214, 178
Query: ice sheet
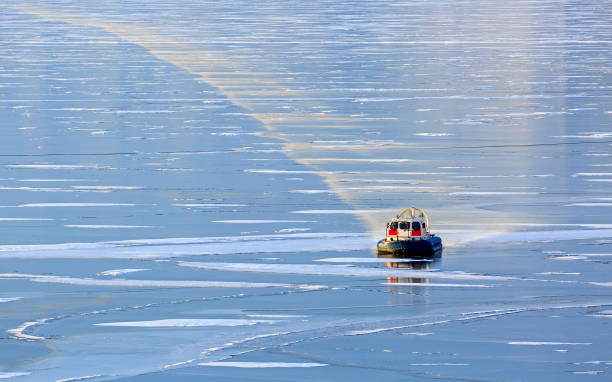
345, 102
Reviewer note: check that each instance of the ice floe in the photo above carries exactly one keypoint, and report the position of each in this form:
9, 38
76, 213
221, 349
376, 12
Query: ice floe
259, 365
188, 322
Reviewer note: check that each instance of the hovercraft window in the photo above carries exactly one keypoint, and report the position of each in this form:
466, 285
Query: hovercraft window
416, 225
403, 225
393, 225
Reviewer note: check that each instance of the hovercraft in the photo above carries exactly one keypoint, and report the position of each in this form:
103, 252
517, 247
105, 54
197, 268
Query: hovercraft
408, 235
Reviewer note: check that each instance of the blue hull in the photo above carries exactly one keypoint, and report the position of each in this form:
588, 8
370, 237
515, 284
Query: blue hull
431, 247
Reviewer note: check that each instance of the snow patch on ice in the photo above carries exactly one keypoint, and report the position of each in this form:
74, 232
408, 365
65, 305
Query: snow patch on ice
7, 375
18, 332
544, 343
9, 299
117, 272
434, 134
105, 226
594, 135
289, 230
79, 378
418, 334
25, 219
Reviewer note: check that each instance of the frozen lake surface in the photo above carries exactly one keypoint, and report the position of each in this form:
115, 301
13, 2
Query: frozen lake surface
195, 192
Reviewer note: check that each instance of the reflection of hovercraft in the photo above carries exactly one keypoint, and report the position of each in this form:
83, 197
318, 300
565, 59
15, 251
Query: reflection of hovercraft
408, 235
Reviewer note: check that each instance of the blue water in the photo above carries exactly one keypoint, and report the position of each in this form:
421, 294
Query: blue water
195, 191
